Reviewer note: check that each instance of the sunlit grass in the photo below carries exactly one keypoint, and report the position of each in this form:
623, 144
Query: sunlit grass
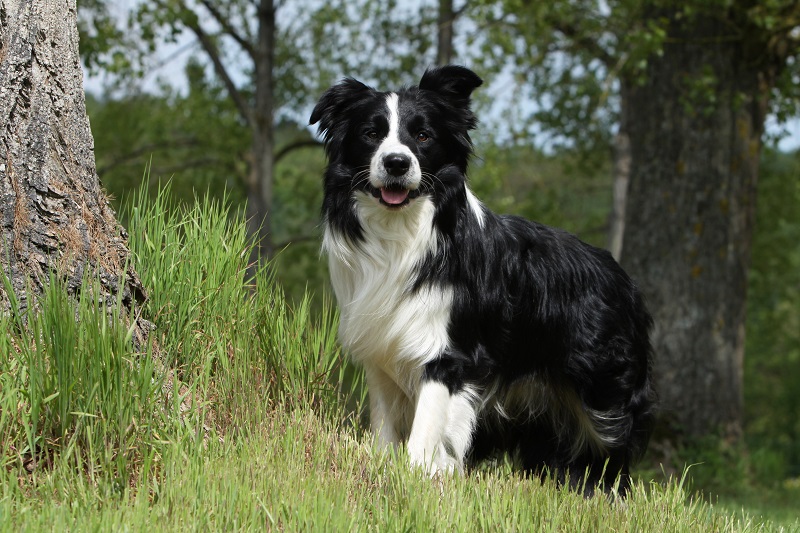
236, 417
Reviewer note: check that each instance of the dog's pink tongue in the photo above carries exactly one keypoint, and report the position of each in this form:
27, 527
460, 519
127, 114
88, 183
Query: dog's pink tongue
393, 197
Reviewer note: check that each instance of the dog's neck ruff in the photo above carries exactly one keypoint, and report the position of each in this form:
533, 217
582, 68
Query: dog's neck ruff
383, 318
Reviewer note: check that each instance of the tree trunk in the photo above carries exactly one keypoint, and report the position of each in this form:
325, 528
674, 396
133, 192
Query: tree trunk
444, 35
260, 193
695, 126
622, 174
54, 217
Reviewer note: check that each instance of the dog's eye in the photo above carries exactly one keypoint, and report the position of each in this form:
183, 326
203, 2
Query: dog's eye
371, 134
423, 137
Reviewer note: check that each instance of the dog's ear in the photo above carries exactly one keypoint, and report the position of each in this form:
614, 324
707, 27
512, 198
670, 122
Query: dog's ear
336, 101
451, 81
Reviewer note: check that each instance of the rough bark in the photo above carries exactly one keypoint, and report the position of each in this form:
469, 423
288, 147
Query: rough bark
695, 126
54, 217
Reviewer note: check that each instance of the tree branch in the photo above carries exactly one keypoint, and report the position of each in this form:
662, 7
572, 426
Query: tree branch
143, 150
295, 145
210, 47
229, 29
584, 41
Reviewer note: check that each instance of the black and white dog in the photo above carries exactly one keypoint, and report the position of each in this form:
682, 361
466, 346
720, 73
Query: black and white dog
479, 334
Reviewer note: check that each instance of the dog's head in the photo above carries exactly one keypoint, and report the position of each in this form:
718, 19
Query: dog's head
393, 145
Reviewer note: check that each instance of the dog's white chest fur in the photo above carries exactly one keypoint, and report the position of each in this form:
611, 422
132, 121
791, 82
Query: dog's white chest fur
383, 321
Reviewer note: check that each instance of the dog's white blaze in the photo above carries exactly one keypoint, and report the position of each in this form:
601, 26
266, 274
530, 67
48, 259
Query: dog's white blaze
393, 104
392, 145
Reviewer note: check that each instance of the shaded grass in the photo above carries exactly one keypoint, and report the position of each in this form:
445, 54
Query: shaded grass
236, 419
71, 390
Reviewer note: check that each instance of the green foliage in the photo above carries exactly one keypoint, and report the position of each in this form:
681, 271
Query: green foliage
296, 227
568, 60
348, 36
569, 190
102, 41
772, 362
196, 141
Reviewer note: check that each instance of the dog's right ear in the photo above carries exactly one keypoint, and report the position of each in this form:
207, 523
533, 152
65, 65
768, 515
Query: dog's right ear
336, 102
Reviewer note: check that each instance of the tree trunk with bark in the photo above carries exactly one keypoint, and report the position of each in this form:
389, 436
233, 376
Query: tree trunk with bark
695, 127
54, 217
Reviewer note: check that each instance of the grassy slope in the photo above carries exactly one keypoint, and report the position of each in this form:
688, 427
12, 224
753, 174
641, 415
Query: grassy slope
237, 425
301, 474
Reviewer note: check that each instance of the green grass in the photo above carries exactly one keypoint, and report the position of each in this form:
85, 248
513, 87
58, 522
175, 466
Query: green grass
238, 418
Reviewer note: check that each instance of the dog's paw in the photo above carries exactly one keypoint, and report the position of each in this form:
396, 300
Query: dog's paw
435, 463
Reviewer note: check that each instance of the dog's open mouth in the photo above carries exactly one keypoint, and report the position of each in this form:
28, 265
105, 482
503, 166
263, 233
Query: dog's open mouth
394, 195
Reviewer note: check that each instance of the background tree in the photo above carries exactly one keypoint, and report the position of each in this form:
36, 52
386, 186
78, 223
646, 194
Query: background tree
687, 87
250, 28
55, 217
271, 59
192, 137
696, 121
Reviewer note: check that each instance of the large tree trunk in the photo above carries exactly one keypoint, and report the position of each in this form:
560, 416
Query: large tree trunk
695, 126
54, 217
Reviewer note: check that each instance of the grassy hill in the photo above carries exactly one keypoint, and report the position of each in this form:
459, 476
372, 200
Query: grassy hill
242, 415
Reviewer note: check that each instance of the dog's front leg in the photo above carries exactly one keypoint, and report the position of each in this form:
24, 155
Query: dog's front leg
384, 397
425, 446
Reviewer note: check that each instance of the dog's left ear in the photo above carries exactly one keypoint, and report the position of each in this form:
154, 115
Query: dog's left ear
452, 81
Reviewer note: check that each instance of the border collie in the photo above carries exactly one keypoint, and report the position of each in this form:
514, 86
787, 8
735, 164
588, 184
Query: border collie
479, 334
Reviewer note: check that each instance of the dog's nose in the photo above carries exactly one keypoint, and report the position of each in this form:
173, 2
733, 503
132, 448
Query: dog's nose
396, 164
